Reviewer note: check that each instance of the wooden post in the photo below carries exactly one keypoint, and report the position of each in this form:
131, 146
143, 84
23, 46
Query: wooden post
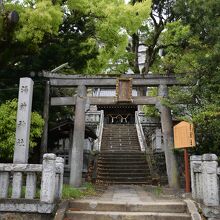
78, 138
46, 118
187, 175
167, 130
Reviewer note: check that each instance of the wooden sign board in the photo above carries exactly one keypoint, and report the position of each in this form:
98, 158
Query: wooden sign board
184, 135
124, 90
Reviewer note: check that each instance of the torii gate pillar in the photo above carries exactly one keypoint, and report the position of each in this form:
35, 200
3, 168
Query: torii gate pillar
167, 130
78, 138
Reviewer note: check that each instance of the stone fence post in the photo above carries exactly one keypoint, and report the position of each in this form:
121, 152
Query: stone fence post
210, 180
48, 182
196, 176
59, 177
205, 180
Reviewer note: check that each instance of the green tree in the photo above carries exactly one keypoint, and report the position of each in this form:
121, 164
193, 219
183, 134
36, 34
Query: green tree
114, 22
148, 34
191, 50
8, 127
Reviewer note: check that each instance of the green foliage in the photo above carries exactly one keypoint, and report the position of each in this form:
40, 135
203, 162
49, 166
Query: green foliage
70, 192
191, 50
149, 110
37, 19
158, 191
114, 22
8, 127
36, 22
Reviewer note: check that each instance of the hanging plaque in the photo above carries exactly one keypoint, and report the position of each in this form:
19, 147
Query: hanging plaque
124, 90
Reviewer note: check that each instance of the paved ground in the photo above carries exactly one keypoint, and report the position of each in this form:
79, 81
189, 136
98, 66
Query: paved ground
133, 193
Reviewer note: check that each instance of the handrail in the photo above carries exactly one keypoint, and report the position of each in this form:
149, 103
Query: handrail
142, 141
140, 132
99, 129
101, 125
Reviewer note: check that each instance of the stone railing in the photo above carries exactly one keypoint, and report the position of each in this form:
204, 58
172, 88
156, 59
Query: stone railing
93, 117
140, 132
51, 183
142, 140
99, 118
205, 183
147, 120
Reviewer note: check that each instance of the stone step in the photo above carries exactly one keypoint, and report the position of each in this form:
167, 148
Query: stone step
118, 151
119, 132
122, 160
121, 148
160, 206
123, 163
127, 125
118, 140
119, 174
111, 149
125, 153
136, 182
119, 143
103, 166
121, 155
120, 127
117, 137
110, 130
121, 170
100, 215
126, 178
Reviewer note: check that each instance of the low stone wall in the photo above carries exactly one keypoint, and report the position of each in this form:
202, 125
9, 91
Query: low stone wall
26, 216
159, 167
51, 172
205, 183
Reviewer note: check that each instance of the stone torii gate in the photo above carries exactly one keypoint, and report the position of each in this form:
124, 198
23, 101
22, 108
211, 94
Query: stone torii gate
81, 102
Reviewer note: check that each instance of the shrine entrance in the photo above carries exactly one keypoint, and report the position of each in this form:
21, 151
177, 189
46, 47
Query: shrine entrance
84, 101
119, 114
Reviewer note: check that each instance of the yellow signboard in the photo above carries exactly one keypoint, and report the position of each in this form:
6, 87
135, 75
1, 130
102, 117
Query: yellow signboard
184, 135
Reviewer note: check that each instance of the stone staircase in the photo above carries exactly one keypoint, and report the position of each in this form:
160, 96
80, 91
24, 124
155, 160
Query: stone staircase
121, 160
103, 210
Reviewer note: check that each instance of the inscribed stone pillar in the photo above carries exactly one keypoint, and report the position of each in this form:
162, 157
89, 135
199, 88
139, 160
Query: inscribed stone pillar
196, 184
78, 138
22, 131
167, 131
23, 120
210, 180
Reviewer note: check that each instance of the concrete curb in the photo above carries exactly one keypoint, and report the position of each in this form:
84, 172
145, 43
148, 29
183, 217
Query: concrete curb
192, 209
